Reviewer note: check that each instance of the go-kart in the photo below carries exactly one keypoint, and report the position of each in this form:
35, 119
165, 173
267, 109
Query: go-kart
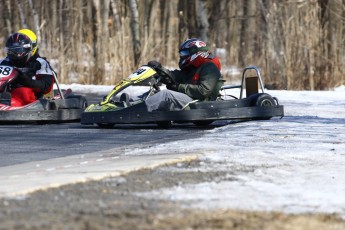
117, 108
56, 106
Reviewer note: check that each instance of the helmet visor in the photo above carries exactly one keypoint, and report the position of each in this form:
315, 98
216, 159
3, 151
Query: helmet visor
184, 53
18, 52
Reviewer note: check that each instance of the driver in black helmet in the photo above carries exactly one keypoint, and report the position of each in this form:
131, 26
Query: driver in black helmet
199, 78
36, 77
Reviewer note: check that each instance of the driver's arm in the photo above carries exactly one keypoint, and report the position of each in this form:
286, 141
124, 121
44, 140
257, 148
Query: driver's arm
177, 75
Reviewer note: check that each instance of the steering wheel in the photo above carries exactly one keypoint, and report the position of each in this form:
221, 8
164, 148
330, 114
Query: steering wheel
165, 75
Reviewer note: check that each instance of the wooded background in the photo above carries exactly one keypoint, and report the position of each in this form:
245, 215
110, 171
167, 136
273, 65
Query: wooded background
297, 44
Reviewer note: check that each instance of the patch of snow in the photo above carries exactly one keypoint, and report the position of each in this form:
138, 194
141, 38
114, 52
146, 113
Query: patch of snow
295, 164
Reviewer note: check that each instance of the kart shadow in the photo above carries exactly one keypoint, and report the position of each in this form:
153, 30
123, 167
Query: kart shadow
3, 123
190, 126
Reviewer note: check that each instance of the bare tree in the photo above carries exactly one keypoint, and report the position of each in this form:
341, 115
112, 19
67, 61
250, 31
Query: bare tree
8, 16
171, 32
21, 14
36, 20
135, 29
202, 19
247, 32
334, 39
297, 44
114, 7
61, 55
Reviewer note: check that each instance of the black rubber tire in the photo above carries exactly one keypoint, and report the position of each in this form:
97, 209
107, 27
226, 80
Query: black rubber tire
164, 124
82, 100
105, 125
265, 100
202, 123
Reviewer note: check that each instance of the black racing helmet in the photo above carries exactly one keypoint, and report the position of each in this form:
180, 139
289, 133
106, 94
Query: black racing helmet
19, 48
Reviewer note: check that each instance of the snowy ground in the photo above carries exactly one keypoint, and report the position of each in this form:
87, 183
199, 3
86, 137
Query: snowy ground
295, 164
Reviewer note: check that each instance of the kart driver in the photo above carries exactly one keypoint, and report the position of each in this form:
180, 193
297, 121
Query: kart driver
35, 75
199, 78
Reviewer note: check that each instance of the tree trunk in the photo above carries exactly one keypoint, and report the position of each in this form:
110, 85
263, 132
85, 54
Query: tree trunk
335, 39
102, 35
21, 14
248, 32
191, 19
171, 31
62, 63
8, 17
202, 19
117, 18
36, 20
135, 30
297, 44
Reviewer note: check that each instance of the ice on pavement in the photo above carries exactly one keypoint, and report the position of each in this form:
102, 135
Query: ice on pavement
295, 164
292, 171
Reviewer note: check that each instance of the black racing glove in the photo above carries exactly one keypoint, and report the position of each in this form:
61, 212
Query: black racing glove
165, 81
32, 68
24, 78
25, 74
173, 87
154, 64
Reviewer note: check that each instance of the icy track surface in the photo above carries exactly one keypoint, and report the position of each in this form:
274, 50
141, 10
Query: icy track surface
295, 164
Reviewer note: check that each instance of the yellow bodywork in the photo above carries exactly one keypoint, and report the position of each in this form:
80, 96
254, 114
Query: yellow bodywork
140, 75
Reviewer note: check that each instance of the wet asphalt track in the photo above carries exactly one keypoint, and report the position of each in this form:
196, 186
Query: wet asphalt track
22, 143
31, 142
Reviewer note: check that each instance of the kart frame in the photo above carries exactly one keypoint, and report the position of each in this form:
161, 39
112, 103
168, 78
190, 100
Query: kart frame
257, 105
58, 107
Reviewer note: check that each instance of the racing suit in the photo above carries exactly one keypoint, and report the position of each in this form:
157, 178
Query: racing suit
35, 79
201, 81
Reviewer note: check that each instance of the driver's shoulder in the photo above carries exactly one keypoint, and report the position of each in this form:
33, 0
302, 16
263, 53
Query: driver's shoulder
209, 68
208, 65
41, 60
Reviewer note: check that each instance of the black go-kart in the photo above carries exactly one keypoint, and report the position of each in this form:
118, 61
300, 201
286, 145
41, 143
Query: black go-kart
56, 106
117, 108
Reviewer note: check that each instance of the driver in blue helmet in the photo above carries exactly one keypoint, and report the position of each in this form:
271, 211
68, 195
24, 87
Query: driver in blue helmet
199, 78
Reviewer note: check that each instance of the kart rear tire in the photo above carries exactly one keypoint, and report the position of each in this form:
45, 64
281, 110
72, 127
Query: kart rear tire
82, 101
202, 123
264, 100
